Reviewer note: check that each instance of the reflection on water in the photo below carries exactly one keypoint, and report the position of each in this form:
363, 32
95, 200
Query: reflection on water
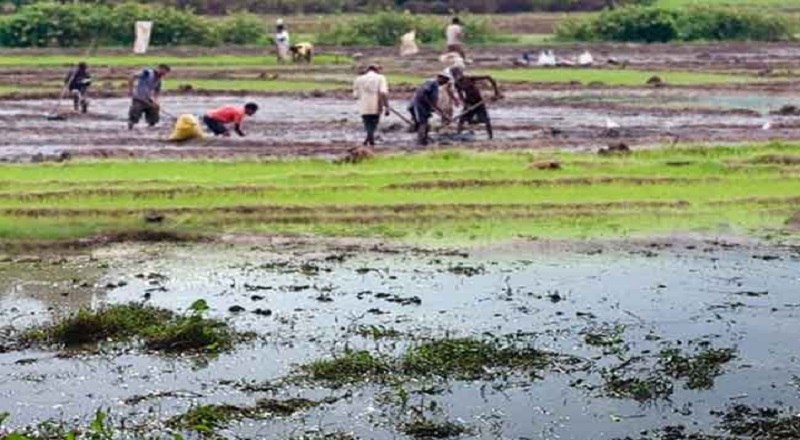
728, 297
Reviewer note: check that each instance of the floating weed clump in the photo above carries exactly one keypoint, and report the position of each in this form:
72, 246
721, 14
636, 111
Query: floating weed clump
158, 329
423, 428
114, 322
350, 367
699, 370
208, 418
641, 389
471, 359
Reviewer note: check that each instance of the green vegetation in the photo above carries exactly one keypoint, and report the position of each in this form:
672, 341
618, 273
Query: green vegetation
159, 329
206, 419
448, 196
461, 359
221, 60
349, 367
699, 370
386, 28
50, 24
656, 24
471, 359
776, 4
614, 77
429, 429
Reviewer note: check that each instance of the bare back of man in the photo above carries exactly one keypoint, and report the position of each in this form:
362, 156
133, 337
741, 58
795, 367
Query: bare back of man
475, 110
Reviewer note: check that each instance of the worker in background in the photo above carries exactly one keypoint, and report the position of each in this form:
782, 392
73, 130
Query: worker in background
144, 97
217, 120
449, 99
372, 92
475, 110
77, 82
455, 38
283, 42
302, 52
424, 103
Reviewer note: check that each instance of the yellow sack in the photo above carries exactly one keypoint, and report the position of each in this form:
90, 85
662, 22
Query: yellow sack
187, 127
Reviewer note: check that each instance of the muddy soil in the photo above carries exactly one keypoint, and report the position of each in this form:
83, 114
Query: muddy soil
612, 306
569, 119
325, 123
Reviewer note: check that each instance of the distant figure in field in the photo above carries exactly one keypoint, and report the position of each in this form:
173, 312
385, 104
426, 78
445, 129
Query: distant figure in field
144, 98
77, 82
218, 119
475, 111
455, 38
282, 41
302, 52
424, 103
372, 92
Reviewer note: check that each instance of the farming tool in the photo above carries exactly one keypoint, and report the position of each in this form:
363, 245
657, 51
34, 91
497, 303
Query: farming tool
400, 115
53, 115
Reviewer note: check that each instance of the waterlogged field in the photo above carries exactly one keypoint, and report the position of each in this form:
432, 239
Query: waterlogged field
316, 340
620, 262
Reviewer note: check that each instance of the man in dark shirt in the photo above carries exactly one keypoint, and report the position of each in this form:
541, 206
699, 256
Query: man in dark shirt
423, 105
475, 111
145, 95
77, 82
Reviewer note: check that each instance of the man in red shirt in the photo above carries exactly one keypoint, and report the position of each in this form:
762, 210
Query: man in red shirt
216, 120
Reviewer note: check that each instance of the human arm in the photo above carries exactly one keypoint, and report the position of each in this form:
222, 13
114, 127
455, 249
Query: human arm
491, 81
131, 80
383, 98
454, 96
238, 129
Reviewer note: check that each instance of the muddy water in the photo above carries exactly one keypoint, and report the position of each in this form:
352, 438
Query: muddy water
677, 294
287, 125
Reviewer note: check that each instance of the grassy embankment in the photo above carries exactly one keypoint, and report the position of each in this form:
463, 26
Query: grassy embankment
443, 196
334, 75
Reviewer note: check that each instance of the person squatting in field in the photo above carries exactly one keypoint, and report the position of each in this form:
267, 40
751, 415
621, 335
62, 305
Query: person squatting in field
77, 82
144, 97
475, 110
372, 92
216, 120
424, 103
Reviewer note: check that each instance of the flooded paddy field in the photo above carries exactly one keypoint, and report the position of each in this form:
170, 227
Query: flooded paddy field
576, 120
703, 94
596, 340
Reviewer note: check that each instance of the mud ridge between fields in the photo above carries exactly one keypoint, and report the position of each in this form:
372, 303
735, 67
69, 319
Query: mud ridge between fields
343, 209
196, 190
576, 181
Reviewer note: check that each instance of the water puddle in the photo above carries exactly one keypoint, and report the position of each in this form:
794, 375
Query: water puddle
308, 304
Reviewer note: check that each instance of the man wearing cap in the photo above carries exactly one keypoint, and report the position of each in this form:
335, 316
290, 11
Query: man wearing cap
372, 92
424, 103
283, 42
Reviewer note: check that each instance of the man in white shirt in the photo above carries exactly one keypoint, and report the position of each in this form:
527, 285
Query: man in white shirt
372, 92
455, 38
282, 41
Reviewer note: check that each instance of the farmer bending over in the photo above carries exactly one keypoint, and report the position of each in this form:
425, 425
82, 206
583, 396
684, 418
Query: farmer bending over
145, 95
475, 110
423, 104
372, 92
216, 120
77, 82
302, 52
